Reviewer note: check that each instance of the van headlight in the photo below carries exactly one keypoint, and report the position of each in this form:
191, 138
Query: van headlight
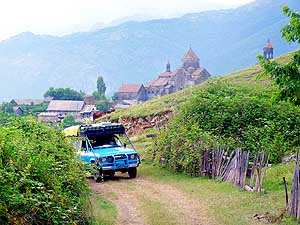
132, 156
104, 159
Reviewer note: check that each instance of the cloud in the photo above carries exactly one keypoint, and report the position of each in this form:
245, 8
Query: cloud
65, 16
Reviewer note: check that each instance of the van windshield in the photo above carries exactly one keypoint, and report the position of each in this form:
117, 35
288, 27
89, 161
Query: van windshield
105, 142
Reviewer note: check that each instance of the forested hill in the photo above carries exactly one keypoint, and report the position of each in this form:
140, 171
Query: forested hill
225, 41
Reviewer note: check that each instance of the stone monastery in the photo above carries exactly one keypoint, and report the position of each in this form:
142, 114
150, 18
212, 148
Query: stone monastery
190, 73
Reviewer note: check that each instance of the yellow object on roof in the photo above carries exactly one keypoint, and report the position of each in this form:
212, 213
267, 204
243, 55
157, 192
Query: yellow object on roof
72, 131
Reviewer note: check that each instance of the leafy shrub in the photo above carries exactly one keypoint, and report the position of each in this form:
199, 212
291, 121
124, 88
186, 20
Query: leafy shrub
41, 181
69, 120
231, 116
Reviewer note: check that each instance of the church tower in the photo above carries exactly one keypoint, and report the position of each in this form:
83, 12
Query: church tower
168, 67
268, 50
190, 59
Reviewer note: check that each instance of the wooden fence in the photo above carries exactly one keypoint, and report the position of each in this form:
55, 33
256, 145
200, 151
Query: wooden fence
235, 167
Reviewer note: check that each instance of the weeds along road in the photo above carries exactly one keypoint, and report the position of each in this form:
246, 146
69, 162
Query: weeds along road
144, 201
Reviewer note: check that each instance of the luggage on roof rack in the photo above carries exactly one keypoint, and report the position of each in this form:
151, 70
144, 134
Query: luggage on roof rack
101, 129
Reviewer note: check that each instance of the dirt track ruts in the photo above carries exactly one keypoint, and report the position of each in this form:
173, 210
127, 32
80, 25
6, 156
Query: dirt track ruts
125, 194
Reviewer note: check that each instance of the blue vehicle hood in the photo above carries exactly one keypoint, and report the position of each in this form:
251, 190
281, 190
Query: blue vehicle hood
102, 152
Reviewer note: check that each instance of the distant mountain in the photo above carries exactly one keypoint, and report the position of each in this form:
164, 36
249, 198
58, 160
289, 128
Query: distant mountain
225, 40
99, 26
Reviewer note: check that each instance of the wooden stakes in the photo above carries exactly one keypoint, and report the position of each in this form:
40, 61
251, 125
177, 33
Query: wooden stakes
294, 208
286, 193
233, 169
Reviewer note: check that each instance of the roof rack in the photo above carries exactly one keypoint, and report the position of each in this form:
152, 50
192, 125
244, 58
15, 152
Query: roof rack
101, 129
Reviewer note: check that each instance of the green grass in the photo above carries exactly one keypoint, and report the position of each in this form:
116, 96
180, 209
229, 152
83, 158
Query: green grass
155, 212
226, 203
104, 211
173, 101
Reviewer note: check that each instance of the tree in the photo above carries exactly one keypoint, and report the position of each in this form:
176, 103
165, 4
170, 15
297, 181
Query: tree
69, 120
103, 105
286, 77
98, 96
101, 87
115, 97
34, 109
7, 108
64, 94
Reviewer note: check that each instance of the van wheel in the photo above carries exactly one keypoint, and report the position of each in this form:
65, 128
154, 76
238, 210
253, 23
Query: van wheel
111, 174
98, 176
132, 172
97, 173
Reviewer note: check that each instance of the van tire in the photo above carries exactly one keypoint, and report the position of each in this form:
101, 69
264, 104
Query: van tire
132, 172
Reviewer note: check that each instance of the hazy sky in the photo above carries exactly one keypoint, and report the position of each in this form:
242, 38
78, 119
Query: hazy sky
60, 17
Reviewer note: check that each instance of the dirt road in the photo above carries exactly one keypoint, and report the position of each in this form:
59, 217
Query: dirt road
145, 201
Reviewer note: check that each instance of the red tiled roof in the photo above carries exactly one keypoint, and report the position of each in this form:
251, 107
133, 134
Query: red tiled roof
190, 55
158, 82
166, 74
180, 69
130, 88
147, 85
198, 71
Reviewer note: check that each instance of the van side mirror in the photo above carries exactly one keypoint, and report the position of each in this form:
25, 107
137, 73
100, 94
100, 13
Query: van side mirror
125, 145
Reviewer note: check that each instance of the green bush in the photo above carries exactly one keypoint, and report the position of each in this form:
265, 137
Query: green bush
41, 180
231, 116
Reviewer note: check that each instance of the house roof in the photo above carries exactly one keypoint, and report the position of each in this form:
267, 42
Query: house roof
166, 74
198, 71
88, 108
147, 85
190, 55
130, 88
27, 101
180, 69
15, 108
158, 82
65, 105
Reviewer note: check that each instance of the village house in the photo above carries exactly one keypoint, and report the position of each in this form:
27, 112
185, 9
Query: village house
26, 102
18, 111
58, 109
132, 92
189, 74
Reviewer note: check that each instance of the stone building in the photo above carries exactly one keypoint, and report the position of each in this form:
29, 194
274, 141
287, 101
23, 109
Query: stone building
268, 50
135, 92
190, 73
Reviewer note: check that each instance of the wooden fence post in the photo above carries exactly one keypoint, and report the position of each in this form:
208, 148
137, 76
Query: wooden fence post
286, 194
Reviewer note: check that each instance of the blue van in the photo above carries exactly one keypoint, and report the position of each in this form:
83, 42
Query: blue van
103, 151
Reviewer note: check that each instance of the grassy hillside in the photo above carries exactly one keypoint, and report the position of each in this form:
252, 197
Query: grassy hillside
173, 101
233, 111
